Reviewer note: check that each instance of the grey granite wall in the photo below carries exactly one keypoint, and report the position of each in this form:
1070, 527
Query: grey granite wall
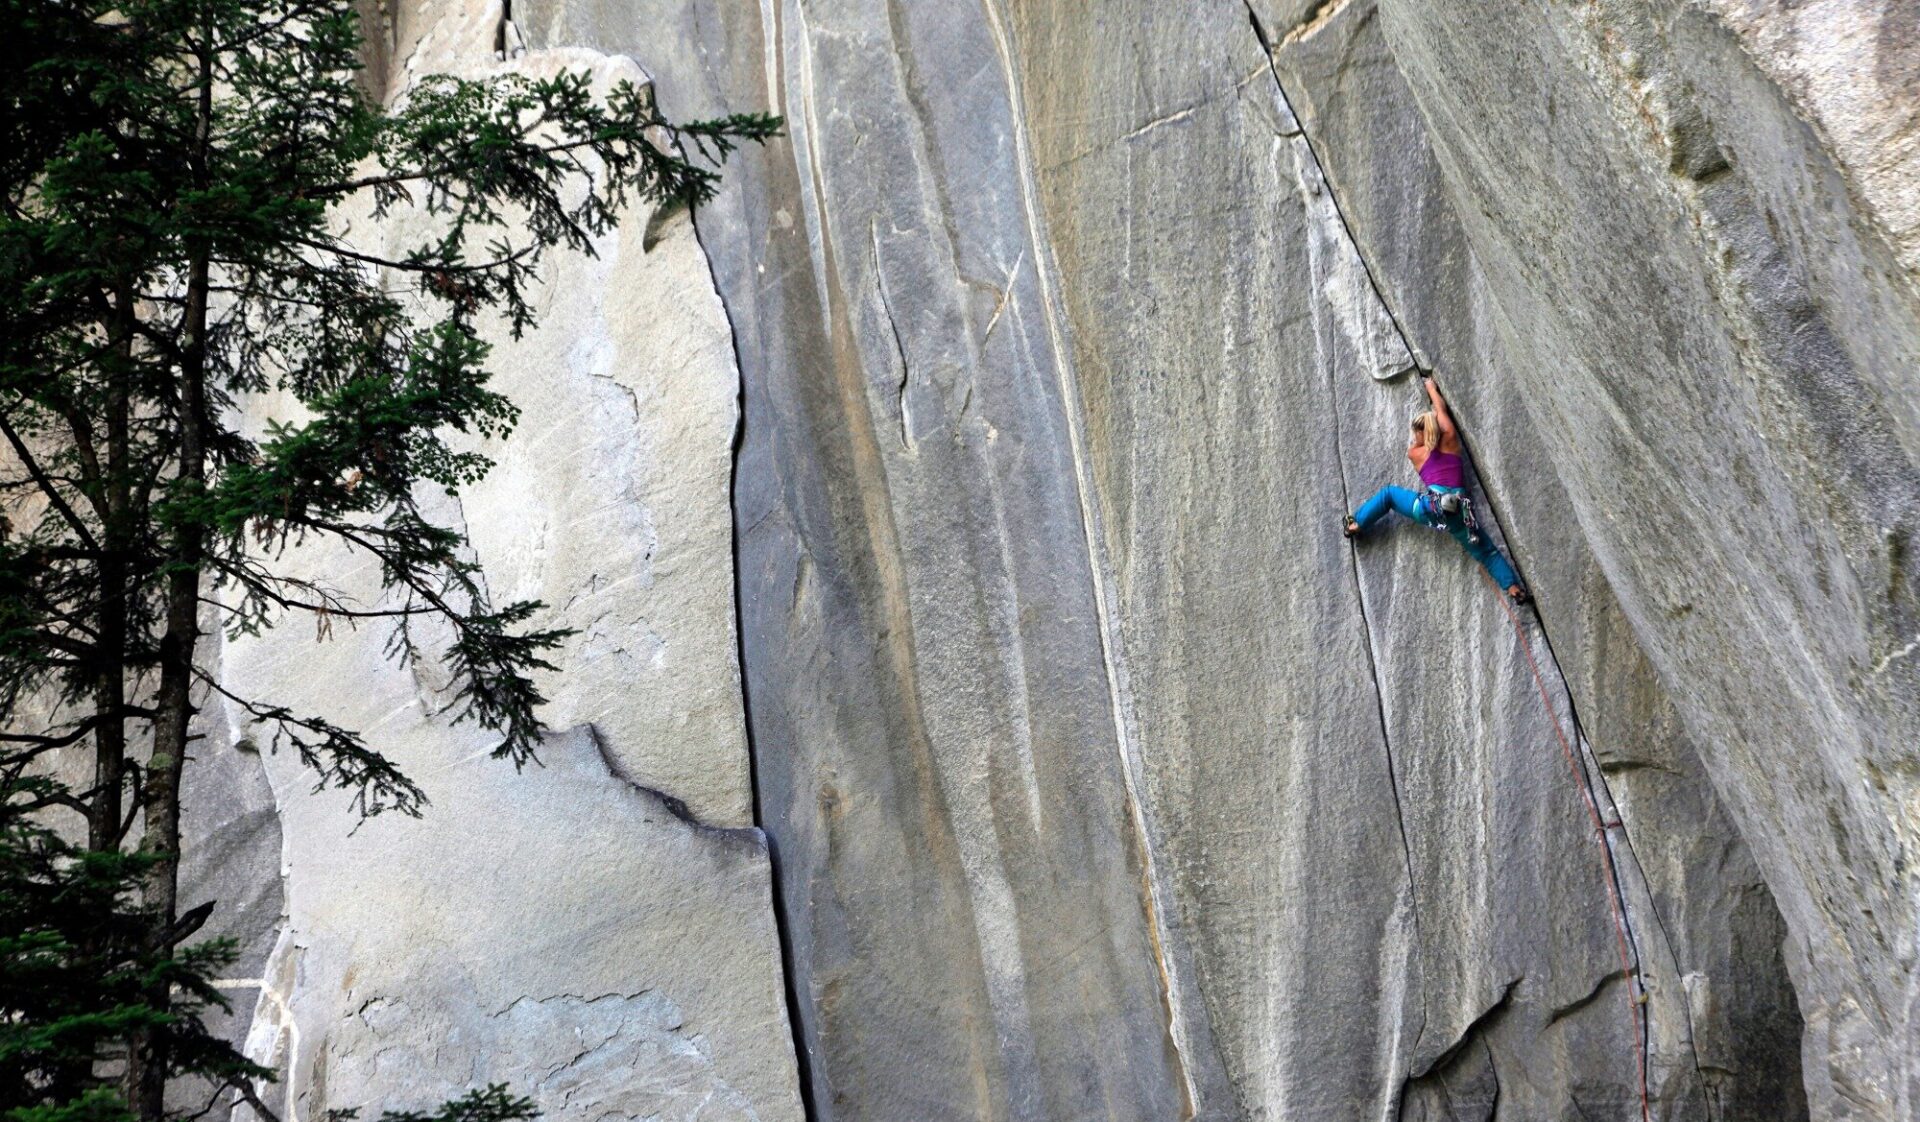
1100, 777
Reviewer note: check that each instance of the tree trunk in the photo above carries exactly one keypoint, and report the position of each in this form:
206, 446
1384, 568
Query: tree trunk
106, 808
172, 731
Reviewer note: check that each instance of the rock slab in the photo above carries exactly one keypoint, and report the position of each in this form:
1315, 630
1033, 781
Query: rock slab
596, 931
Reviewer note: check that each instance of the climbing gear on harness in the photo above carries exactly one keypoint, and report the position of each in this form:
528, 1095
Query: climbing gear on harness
1637, 996
1447, 505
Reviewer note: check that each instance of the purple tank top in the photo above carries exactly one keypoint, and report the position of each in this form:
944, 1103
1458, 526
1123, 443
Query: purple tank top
1443, 469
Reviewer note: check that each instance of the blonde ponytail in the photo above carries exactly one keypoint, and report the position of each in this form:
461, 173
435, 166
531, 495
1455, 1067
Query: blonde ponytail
1427, 427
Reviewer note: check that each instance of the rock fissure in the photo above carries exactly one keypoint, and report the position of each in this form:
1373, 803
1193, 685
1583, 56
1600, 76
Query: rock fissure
1592, 776
1475, 1031
1379, 694
1380, 711
672, 804
901, 403
1320, 16
1561, 1012
528, 999
1586, 766
1672, 955
1165, 119
626, 391
1465, 1077
1329, 9
1003, 296
777, 902
1493, 1072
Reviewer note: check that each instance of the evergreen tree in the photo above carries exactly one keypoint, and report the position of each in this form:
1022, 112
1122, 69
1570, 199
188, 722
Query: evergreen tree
78, 961
171, 175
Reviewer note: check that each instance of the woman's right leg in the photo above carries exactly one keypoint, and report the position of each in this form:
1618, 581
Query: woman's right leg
1400, 499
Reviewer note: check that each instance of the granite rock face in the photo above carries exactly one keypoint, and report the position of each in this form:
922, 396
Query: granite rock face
1710, 320
1101, 778
1063, 344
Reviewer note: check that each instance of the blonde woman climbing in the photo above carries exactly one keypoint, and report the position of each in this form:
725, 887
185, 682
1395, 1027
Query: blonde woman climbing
1441, 503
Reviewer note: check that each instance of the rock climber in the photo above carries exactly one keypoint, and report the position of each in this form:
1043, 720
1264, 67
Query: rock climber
1442, 502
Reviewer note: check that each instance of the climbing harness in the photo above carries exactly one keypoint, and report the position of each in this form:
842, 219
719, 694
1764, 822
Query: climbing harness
1445, 505
1636, 982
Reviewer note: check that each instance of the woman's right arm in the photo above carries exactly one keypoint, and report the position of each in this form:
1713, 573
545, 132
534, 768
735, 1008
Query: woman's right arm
1440, 413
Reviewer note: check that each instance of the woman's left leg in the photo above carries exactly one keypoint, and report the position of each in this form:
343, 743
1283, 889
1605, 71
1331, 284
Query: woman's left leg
1483, 550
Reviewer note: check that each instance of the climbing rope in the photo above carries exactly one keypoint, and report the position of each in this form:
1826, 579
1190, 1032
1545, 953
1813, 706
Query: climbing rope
1636, 985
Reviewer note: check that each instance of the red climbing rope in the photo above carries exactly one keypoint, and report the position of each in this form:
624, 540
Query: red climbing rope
1635, 984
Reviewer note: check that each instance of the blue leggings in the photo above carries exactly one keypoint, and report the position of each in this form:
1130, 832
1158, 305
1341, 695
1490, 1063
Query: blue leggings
1408, 504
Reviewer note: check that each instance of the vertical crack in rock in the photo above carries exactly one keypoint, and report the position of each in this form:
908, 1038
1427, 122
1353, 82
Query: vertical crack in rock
1155, 895
1379, 694
803, 1067
1339, 212
1598, 775
1592, 777
899, 345
1597, 792
273, 1032
1587, 766
1493, 1072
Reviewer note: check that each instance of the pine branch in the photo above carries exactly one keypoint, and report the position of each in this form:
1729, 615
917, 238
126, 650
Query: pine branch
340, 758
435, 174
47, 488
